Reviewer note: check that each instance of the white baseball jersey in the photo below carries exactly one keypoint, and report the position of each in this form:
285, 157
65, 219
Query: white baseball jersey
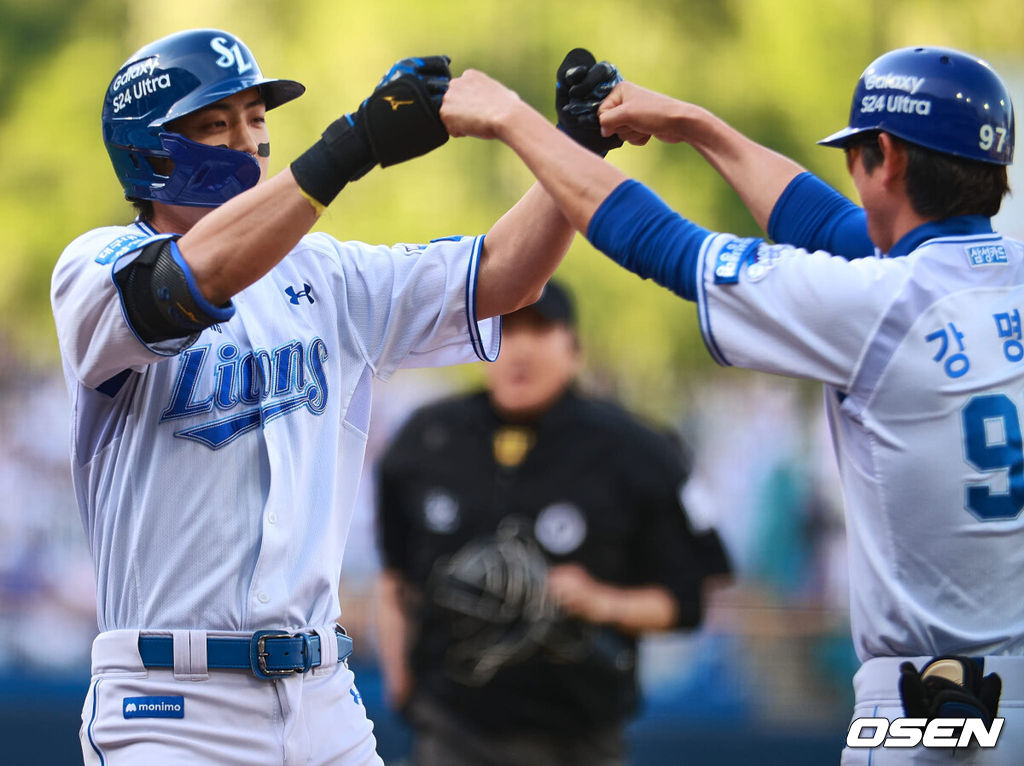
216, 475
923, 361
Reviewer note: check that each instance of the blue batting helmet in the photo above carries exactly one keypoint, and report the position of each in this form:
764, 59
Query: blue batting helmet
165, 80
937, 98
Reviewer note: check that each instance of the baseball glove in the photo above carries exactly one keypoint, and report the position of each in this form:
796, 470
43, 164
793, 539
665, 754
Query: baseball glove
494, 591
581, 84
949, 687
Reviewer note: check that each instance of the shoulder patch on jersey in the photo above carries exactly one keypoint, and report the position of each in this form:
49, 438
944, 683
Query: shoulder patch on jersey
985, 255
123, 244
731, 257
453, 238
763, 258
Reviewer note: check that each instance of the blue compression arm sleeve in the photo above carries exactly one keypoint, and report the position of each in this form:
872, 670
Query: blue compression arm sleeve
812, 215
638, 231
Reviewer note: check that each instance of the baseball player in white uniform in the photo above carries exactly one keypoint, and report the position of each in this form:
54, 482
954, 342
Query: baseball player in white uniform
921, 353
219, 362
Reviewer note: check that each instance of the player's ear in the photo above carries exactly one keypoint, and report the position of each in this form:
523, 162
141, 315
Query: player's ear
894, 158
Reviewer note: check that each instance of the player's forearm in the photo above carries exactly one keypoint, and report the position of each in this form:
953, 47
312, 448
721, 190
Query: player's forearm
246, 237
520, 253
758, 174
635, 228
807, 213
641, 609
393, 637
628, 609
576, 178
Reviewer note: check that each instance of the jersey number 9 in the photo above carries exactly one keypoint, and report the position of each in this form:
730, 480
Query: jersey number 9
992, 442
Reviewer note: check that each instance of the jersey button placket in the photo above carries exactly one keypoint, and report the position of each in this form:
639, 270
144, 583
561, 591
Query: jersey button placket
271, 518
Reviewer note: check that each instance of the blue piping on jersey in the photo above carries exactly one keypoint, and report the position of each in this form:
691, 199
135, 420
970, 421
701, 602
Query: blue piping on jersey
92, 742
146, 227
871, 752
471, 320
703, 316
641, 233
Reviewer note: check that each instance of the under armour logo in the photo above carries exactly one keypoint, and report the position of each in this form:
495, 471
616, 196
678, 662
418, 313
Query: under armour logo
294, 296
395, 103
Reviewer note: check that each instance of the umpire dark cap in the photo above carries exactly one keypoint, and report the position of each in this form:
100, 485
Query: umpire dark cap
555, 305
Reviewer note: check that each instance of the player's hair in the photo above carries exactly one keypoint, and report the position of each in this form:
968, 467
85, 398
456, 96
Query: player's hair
143, 209
942, 185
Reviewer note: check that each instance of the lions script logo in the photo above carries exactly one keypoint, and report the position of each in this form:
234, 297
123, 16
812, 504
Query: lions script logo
244, 391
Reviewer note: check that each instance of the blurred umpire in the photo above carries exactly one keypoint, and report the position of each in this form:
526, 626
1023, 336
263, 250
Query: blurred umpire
529, 535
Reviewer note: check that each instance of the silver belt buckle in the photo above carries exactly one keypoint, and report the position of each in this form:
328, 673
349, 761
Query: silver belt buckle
258, 655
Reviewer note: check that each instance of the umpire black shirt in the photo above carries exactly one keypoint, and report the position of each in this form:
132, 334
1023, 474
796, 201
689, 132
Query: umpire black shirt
594, 487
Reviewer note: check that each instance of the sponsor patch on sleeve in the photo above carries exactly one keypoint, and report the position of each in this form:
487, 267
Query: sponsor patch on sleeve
123, 244
763, 258
731, 257
985, 255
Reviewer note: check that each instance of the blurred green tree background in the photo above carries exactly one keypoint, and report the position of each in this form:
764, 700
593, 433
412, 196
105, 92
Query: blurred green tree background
781, 70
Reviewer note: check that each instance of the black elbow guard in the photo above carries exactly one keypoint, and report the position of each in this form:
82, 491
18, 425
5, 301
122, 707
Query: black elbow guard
160, 298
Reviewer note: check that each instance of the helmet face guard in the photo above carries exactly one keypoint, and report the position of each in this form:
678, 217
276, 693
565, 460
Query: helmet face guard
937, 98
172, 77
203, 176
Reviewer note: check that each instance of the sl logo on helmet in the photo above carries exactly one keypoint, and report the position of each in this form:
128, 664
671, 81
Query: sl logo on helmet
229, 57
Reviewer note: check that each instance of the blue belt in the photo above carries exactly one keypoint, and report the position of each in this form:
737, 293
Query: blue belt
268, 654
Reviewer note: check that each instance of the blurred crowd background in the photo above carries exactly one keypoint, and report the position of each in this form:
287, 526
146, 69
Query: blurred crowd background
773, 662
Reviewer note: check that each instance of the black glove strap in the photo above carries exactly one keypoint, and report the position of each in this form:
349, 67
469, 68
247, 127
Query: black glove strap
342, 154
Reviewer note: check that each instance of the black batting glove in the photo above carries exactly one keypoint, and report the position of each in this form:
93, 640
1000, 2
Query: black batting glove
400, 120
581, 85
402, 117
949, 687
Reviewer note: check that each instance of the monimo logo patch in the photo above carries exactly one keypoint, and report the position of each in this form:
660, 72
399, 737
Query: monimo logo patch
154, 707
